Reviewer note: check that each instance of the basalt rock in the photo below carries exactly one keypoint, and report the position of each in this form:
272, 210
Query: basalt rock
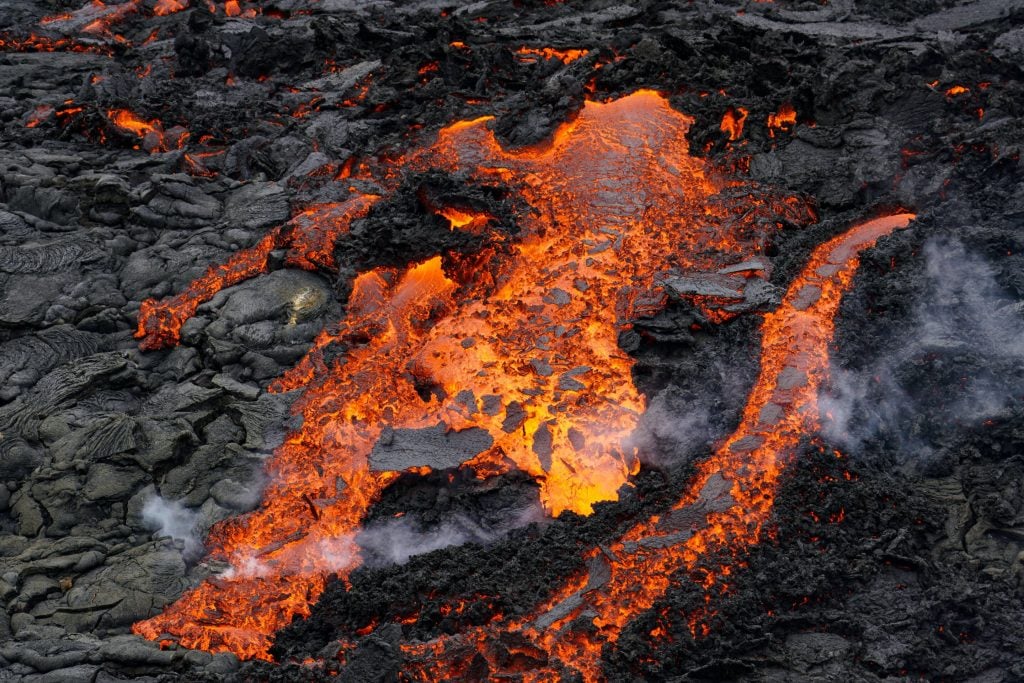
117, 466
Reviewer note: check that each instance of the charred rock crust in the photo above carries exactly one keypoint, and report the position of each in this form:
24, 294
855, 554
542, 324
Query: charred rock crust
899, 559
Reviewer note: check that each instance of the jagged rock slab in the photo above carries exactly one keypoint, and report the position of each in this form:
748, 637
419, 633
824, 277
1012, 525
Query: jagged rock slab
435, 447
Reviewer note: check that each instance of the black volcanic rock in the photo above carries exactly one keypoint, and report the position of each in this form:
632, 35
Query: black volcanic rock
894, 550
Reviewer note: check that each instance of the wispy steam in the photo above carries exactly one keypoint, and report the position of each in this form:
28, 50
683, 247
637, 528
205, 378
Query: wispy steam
171, 518
674, 429
394, 541
391, 541
960, 362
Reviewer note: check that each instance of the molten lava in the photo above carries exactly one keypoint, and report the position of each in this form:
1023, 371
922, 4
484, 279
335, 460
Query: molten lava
531, 54
165, 7
38, 115
725, 507
35, 43
151, 134
519, 340
732, 122
782, 120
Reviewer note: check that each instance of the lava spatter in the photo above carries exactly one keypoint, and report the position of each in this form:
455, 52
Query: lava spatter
522, 347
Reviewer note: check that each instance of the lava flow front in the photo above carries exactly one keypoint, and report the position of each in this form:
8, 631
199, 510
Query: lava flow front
512, 350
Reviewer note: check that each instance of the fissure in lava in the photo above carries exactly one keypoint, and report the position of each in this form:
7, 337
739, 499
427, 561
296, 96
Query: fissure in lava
518, 341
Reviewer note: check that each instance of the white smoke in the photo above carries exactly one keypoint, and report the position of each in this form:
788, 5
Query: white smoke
675, 428
388, 542
396, 540
171, 518
246, 566
964, 322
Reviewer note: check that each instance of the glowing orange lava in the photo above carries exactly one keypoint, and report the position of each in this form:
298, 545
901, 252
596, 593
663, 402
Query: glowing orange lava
519, 340
127, 121
38, 115
150, 133
531, 54
782, 120
725, 507
165, 7
732, 122
35, 43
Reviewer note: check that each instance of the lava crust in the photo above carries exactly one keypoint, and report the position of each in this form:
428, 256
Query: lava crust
552, 340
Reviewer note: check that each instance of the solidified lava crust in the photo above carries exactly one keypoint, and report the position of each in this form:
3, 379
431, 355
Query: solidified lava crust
535, 341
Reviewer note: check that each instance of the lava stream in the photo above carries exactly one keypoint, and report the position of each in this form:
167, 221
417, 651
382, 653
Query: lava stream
518, 342
725, 507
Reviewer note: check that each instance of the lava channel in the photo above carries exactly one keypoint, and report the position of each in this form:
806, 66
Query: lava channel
513, 349
725, 507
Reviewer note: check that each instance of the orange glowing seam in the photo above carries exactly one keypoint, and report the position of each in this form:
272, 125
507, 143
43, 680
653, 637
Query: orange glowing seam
38, 115
732, 122
165, 7
459, 219
782, 120
55, 18
151, 132
535, 330
34, 43
531, 54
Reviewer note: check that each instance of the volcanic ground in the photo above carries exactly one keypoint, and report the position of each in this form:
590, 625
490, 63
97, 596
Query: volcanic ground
355, 340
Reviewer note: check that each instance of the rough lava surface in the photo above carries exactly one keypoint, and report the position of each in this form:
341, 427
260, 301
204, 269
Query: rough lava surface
142, 142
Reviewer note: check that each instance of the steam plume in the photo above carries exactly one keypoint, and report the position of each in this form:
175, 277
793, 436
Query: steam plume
171, 518
961, 362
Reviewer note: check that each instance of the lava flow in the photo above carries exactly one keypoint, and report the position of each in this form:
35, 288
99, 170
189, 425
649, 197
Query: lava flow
726, 506
517, 342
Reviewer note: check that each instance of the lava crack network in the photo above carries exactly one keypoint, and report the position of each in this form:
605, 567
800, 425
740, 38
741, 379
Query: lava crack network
518, 343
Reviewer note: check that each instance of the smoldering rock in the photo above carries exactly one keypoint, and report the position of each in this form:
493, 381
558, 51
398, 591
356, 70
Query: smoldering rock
961, 325
395, 541
192, 481
672, 430
377, 658
406, 228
